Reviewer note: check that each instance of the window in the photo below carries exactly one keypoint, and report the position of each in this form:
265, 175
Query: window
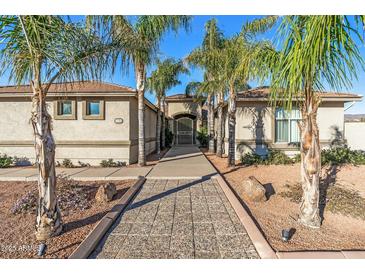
286, 126
65, 110
93, 109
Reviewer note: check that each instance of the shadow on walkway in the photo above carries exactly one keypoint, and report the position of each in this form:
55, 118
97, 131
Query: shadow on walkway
171, 191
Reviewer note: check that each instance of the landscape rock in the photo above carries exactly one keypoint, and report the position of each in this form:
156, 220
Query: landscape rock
106, 193
254, 190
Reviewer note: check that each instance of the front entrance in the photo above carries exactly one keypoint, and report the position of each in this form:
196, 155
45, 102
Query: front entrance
185, 130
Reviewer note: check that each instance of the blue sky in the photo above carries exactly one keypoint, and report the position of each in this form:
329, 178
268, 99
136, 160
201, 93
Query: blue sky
179, 46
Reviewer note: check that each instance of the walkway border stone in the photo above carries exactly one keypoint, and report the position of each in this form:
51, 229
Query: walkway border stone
95, 236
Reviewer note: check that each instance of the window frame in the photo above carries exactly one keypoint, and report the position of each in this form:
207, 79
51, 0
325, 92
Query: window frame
289, 120
72, 116
87, 116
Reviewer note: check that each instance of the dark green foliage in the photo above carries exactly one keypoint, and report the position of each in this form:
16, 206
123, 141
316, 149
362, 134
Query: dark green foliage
202, 136
342, 155
168, 137
6, 161
274, 157
111, 163
67, 163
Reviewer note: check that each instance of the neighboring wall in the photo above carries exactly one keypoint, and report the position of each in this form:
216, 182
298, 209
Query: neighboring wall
150, 129
354, 134
255, 127
87, 141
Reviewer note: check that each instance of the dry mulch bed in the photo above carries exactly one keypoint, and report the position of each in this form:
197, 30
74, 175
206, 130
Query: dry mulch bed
17, 239
343, 226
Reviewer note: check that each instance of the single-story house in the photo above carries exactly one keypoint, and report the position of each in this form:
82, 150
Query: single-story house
92, 121
260, 126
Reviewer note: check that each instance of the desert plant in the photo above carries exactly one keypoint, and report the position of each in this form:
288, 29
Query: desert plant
82, 164
6, 161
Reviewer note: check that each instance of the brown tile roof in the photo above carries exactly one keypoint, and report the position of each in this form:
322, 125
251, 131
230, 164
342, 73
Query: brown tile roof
76, 87
179, 96
263, 93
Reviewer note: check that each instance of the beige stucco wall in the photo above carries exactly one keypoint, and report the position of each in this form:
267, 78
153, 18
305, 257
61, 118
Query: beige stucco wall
250, 137
174, 108
354, 134
88, 141
150, 130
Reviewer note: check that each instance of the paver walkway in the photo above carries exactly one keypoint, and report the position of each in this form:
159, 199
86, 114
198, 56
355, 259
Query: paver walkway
178, 218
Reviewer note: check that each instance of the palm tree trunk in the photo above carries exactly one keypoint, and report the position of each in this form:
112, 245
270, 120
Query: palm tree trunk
48, 223
210, 124
310, 166
231, 128
220, 125
158, 127
140, 76
163, 128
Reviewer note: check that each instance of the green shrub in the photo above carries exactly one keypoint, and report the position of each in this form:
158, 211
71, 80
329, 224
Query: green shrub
6, 161
251, 159
202, 136
67, 163
168, 137
342, 155
274, 157
111, 163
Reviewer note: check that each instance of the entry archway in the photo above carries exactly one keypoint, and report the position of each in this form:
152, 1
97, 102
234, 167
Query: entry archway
185, 127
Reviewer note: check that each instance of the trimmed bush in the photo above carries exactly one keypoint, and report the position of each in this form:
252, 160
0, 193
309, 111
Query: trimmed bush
6, 161
67, 163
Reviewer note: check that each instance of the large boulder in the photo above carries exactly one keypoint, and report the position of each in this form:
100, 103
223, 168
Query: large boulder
254, 190
106, 193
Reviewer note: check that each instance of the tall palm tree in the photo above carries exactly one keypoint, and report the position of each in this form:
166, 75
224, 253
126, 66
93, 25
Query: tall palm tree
42, 50
239, 61
148, 30
316, 51
164, 77
202, 57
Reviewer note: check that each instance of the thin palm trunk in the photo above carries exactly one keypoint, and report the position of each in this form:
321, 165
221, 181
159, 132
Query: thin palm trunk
163, 128
48, 223
220, 125
310, 164
140, 75
231, 128
210, 124
158, 127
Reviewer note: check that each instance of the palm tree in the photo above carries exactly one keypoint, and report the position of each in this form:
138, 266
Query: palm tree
148, 30
41, 50
202, 57
162, 79
316, 51
239, 61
